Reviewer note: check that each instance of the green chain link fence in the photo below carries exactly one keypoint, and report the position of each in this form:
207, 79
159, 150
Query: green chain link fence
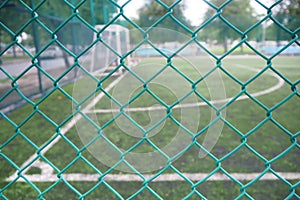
70, 35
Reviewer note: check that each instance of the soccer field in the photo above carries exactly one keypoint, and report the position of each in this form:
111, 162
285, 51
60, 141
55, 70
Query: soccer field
191, 128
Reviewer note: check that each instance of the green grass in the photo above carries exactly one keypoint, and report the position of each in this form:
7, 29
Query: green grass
6, 80
167, 190
219, 50
11, 58
268, 140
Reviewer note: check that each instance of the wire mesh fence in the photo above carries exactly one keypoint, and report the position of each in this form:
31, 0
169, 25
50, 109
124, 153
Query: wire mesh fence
63, 123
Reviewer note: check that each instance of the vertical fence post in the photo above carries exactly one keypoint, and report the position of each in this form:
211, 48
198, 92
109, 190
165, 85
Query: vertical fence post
92, 7
263, 33
105, 12
74, 38
36, 41
0, 47
73, 23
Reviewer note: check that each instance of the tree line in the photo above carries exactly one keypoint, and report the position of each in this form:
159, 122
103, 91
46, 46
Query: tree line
226, 24
233, 21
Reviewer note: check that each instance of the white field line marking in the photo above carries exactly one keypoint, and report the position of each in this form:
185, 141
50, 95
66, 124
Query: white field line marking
66, 128
91, 177
190, 105
163, 177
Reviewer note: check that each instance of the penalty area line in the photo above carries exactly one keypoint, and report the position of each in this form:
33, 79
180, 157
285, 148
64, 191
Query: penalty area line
160, 178
28, 163
279, 84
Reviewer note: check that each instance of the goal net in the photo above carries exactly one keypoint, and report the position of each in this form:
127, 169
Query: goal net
105, 55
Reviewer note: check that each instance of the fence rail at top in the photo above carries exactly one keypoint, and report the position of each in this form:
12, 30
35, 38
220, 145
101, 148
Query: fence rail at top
163, 99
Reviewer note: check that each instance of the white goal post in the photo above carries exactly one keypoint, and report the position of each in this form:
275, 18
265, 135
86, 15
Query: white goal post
115, 38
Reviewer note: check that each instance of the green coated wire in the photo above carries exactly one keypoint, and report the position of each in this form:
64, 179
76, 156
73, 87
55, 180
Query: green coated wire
76, 56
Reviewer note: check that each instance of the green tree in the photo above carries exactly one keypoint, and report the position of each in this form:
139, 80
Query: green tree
288, 14
238, 12
13, 19
14, 14
153, 11
52, 14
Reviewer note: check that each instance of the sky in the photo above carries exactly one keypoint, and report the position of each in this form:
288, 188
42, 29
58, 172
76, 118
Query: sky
194, 11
